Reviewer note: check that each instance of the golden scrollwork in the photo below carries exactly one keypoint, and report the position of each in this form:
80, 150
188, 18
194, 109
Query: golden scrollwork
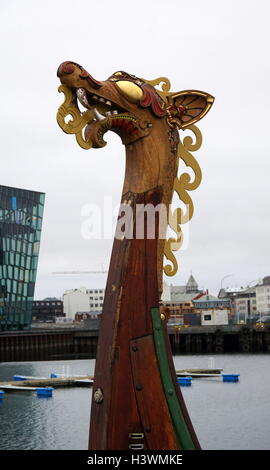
165, 87
79, 120
183, 184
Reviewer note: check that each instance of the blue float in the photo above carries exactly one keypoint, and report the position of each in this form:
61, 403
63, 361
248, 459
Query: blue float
230, 377
2, 394
184, 381
53, 376
44, 391
18, 377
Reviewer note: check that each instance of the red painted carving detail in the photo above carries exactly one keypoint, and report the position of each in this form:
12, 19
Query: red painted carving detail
150, 97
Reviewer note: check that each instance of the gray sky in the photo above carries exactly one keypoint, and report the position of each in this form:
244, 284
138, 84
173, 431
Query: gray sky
218, 46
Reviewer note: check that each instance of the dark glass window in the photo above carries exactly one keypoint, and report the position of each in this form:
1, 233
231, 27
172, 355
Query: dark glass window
207, 317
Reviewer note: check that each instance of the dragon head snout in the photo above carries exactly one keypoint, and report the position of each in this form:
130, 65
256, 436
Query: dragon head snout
65, 68
78, 73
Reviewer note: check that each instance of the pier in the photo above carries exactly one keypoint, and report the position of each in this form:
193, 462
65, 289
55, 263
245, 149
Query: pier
33, 384
78, 343
56, 381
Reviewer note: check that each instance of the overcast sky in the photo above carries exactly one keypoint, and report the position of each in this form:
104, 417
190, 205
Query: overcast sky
218, 46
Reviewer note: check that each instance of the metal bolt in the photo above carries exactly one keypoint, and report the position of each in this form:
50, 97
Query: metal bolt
98, 396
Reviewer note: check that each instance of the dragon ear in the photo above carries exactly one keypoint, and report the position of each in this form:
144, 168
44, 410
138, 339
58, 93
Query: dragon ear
187, 107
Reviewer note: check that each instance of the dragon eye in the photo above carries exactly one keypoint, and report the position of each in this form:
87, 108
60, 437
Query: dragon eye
133, 92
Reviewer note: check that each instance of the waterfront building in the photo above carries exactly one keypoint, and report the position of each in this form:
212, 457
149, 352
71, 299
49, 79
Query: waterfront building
214, 316
263, 297
207, 301
231, 294
96, 298
90, 320
213, 311
186, 292
180, 293
82, 300
179, 303
75, 300
245, 305
21, 213
47, 310
178, 311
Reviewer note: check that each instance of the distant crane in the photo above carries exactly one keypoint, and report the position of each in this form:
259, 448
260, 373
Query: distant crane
98, 271
81, 272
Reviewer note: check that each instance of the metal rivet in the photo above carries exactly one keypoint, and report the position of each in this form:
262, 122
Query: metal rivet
148, 429
98, 396
138, 387
134, 348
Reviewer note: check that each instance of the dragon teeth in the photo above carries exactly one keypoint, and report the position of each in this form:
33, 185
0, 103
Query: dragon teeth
81, 95
98, 116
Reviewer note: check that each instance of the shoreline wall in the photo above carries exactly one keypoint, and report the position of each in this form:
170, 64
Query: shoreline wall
77, 343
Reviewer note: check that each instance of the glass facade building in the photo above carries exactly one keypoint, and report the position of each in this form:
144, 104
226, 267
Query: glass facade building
21, 213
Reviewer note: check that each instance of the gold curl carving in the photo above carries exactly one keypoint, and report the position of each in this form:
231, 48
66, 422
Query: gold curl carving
165, 87
79, 120
183, 184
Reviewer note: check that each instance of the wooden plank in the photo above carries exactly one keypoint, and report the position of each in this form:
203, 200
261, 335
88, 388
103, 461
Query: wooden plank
158, 434
124, 317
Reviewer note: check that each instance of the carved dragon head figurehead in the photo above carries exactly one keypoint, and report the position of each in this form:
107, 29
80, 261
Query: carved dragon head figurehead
125, 104
147, 119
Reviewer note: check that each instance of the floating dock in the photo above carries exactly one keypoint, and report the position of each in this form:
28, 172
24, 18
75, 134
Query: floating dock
60, 380
33, 384
199, 373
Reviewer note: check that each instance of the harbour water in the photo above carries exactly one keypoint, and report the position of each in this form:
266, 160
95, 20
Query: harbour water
229, 416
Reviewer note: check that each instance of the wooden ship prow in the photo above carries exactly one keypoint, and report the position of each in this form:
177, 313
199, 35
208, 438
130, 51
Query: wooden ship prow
136, 402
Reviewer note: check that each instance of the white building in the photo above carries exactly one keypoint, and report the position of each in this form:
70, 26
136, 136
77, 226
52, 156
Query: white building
82, 300
96, 299
245, 305
214, 317
166, 293
263, 297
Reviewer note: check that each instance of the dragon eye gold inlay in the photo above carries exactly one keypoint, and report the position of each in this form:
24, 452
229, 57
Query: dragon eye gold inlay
132, 91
